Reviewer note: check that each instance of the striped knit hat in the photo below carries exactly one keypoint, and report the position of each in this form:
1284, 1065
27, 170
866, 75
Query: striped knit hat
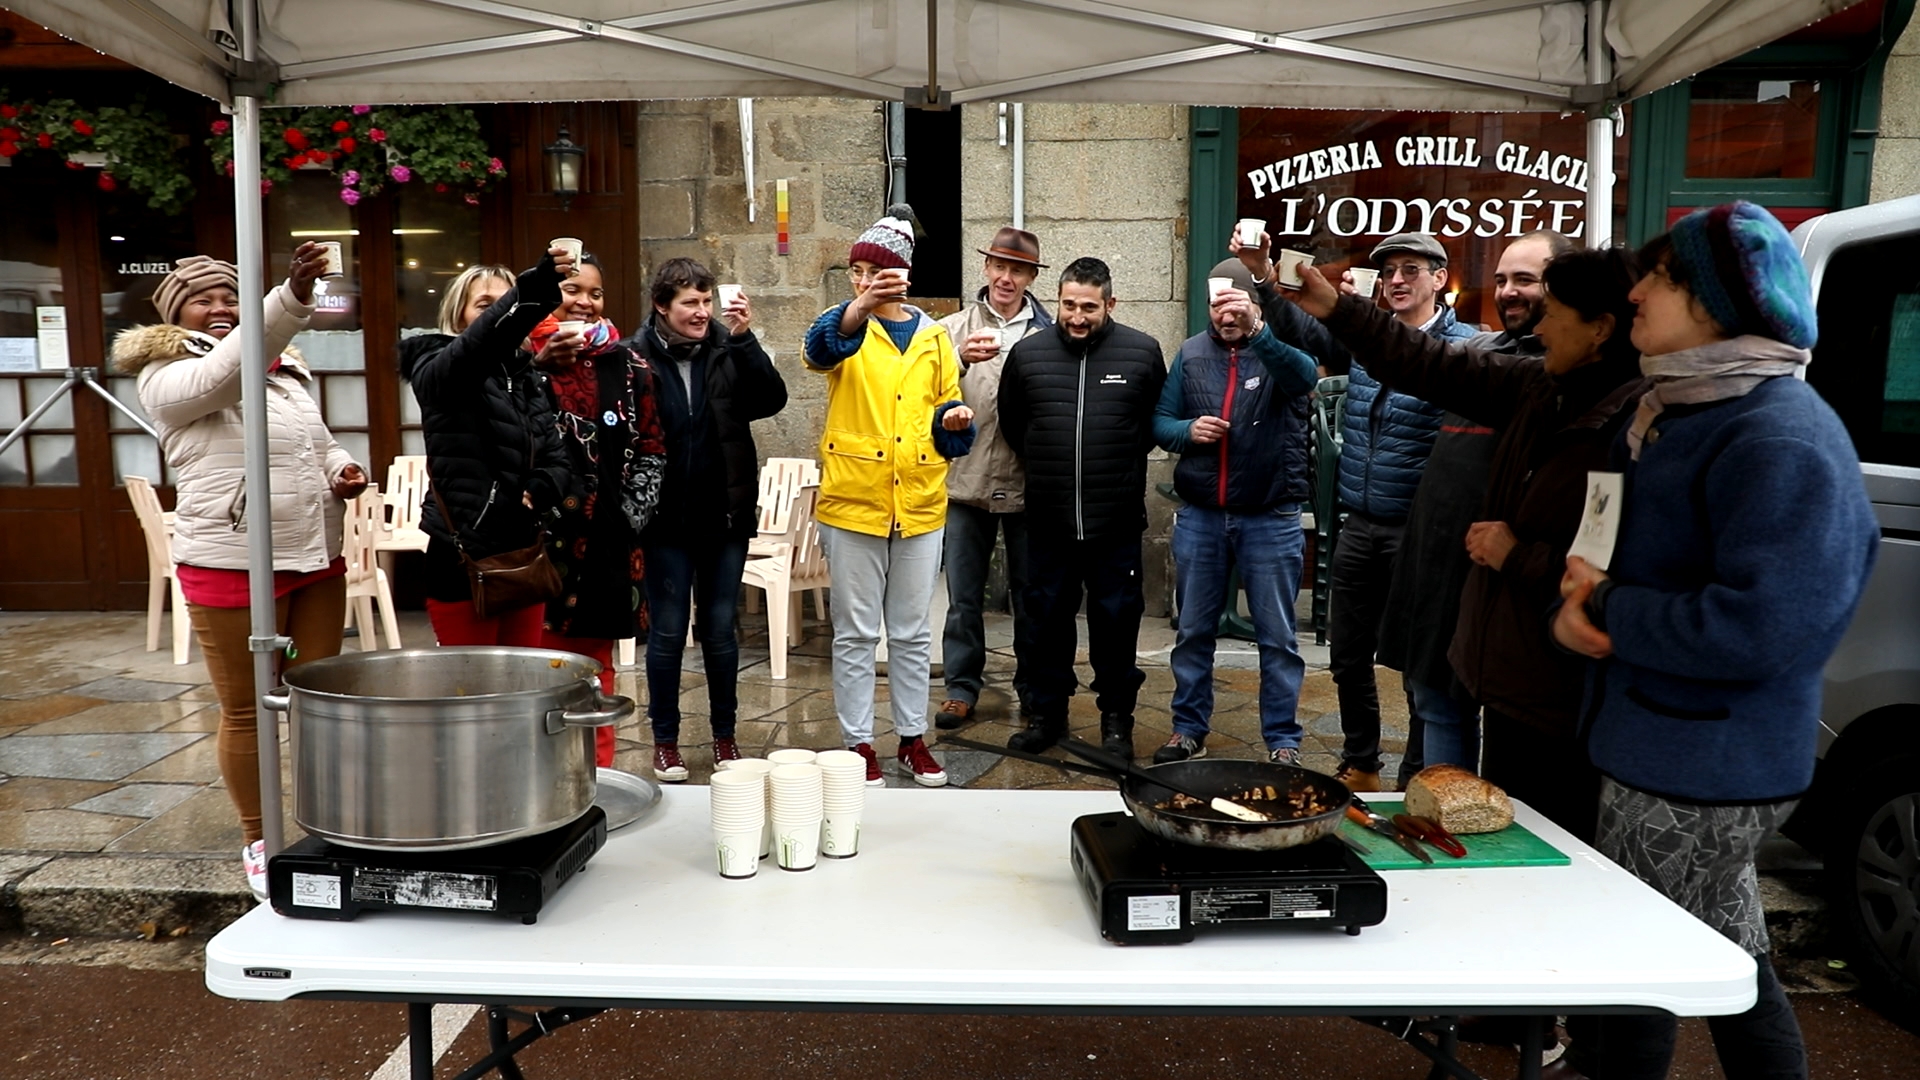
887, 243
1742, 267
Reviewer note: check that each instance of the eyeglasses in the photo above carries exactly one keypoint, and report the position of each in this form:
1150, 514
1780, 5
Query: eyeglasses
1409, 271
865, 275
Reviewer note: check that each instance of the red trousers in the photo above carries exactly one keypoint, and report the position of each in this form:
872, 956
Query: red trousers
454, 623
600, 649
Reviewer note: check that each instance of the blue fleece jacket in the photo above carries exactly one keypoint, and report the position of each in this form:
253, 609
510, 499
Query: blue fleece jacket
1745, 542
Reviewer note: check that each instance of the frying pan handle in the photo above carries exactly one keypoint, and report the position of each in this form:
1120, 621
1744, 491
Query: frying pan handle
610, 709
1095, 755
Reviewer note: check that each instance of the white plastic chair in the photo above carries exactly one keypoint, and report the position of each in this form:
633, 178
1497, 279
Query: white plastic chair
796, 563
366, 582
406, 487
157, 525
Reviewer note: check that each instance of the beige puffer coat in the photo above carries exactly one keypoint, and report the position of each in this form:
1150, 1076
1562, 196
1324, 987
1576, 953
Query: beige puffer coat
990, 476
189, 385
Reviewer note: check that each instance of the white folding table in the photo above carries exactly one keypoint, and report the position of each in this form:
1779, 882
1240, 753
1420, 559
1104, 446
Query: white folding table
1004, 927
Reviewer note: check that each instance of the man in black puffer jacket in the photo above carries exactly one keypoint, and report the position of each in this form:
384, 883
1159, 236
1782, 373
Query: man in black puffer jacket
483, 407
1076, 403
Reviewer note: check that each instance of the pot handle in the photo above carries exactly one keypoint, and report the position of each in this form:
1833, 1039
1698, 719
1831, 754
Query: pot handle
611, 709
275, 699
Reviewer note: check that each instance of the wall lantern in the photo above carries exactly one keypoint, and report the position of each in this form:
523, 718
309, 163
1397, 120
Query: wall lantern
564, 161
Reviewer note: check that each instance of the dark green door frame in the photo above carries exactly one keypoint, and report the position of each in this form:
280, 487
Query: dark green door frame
1213, 199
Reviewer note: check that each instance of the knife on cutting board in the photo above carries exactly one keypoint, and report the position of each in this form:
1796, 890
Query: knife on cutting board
1362, 815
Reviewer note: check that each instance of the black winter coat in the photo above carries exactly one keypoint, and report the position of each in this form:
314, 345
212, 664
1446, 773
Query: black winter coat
712, 486
1423, 600
1080, 415
1553, 430
481, 405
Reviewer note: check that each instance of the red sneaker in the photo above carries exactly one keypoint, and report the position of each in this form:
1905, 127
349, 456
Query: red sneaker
873, 764
725, 749
926, 771
667, 764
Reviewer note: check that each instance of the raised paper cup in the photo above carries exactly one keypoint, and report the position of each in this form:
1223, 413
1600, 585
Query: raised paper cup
1365, 280
728, 294
574, 246
336, 263
1216, 286
736, 852
1249, 229
1288, 269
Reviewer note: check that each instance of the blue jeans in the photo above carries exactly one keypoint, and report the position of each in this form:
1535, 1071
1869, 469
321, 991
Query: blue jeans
969, 550
680, 582
1452, 726
1267, 547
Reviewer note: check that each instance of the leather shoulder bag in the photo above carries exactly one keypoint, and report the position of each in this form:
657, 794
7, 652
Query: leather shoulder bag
511, 579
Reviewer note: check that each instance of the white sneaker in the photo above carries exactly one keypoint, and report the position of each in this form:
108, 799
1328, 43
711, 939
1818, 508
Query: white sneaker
254, 858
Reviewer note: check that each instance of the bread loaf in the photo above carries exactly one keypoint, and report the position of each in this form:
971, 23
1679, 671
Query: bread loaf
1460, 801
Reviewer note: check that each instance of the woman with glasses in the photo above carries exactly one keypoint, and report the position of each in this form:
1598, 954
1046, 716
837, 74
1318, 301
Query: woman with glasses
604, 406
894, 418
1557, 417
712, 380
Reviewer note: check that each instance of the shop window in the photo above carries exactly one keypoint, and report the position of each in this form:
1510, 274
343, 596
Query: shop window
308, 207
1867, 361
435, 238
29, 282
137, 250
1752, 128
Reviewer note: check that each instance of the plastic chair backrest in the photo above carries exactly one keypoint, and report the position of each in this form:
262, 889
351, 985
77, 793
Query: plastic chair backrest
809, 557
153, 525
780, 480
362, 528
406, 486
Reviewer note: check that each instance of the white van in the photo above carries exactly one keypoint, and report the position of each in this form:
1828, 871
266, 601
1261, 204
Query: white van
1862, 815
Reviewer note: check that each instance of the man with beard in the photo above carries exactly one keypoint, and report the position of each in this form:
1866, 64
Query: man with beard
1424, 597
1076, 404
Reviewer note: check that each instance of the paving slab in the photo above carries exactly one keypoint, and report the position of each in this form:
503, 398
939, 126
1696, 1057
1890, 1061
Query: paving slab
88, 757
116, 688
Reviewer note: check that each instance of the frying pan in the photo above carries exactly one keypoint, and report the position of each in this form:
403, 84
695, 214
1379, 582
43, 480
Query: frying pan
1227, 778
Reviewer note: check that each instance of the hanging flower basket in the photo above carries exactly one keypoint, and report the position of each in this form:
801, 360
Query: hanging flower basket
132, 146
370, 147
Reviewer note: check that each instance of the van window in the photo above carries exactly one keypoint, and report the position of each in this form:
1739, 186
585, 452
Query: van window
1867, 362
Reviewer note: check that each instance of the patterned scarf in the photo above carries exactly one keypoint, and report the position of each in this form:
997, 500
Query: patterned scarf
1719, 371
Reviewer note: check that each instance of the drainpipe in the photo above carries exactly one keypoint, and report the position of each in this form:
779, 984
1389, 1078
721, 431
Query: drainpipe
1019, 165
1600, 132
896, 152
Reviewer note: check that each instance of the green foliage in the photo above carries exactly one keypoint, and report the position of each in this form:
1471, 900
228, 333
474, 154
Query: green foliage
372, 147
141, 149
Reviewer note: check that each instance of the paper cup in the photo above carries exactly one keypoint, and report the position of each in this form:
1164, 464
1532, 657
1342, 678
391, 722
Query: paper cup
1288, 270
792, 756
1216, 286
797, 843
577, 326
1249, 229
736, 852
840, 834
728, 294
336, 263
1365, 280
574, 246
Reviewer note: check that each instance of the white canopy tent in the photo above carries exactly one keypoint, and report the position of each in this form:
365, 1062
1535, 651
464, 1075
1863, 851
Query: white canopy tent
1446, 55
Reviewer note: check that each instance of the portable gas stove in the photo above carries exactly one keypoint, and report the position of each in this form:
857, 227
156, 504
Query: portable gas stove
1148, 891
314, 879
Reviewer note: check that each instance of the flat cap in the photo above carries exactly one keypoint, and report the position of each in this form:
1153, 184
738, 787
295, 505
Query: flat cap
1413, 243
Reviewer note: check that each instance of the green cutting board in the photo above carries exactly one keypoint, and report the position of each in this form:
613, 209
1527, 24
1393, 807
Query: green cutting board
1511, 846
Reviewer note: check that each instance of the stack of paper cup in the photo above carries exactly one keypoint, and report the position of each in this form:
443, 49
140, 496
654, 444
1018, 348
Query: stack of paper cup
762, 767
797, 810
843, 797
792, 756
739, 811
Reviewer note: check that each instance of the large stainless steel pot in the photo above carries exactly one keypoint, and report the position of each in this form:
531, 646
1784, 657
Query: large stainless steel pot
443, 749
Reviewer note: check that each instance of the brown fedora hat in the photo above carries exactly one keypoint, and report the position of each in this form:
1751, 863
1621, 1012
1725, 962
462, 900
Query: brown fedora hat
1015, 245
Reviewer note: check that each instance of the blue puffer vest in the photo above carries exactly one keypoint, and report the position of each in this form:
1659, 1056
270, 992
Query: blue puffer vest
1265, 451
1385, 438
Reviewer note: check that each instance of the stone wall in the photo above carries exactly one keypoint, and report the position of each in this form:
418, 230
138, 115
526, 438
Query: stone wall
1896, 154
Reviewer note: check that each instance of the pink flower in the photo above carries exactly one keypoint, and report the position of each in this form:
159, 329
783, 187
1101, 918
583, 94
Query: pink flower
494, 165
472, 199
349, 178
229, 168
349, 196
400, 173
266, 186
362, 110
376, 135
221, 127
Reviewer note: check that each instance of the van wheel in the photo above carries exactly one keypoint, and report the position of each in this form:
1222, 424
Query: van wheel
1873, 871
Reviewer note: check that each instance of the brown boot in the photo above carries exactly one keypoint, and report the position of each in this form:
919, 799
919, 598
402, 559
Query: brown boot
1357, 779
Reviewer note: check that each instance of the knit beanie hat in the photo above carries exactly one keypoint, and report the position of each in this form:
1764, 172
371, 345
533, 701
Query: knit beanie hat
1742, 267
193, 274
887, 243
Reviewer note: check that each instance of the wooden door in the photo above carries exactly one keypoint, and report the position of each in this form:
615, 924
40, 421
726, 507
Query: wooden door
606, 213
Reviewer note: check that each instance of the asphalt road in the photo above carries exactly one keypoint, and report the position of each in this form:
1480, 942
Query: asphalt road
114, 1010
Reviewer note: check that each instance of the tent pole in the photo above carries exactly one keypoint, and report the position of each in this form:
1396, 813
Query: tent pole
1599, 130
264, 640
